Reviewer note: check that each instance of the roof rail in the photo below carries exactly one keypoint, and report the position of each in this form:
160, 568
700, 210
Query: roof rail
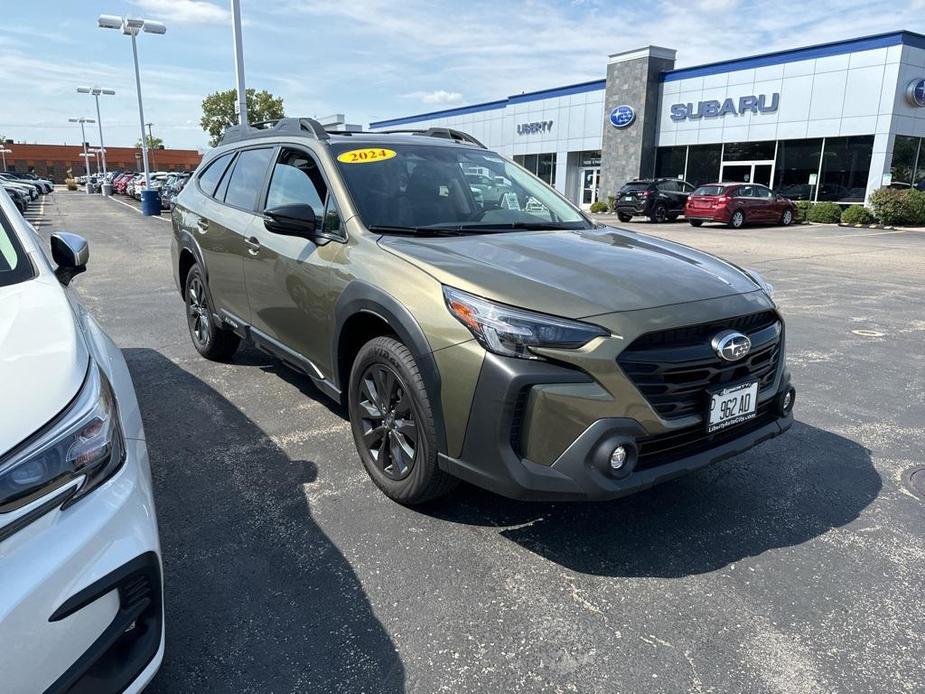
274, 128
445, 133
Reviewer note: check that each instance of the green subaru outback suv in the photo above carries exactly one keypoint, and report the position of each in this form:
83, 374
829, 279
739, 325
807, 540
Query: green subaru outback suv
490, 333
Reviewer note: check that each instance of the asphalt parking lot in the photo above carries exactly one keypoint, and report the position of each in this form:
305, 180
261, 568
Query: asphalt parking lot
796, 567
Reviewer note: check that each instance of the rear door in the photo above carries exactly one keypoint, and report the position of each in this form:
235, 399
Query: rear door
293, 282
223, 224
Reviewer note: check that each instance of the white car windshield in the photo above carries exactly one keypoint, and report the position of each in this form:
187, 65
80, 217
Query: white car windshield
435, 187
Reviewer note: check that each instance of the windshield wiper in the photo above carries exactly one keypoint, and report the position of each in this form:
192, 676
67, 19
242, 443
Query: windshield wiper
507, 226
413, 231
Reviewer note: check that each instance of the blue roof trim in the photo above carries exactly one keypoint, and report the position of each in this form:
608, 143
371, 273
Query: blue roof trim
579, 88
792, 55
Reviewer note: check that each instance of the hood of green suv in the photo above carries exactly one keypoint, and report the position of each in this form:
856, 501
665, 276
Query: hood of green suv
573, 273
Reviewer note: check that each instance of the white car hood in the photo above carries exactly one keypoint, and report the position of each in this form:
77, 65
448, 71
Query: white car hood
43, 357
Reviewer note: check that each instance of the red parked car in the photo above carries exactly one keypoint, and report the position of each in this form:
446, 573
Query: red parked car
119, 183
738, 204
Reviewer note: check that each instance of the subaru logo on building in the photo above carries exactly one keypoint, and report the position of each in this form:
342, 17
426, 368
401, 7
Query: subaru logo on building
622, 116
916, 93
731, 345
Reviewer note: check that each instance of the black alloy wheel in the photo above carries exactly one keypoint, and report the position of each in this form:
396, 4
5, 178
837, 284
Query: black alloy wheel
660, 214
390, 429
197, 312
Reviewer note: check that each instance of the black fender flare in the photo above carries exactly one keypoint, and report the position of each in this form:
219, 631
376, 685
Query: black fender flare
361, 297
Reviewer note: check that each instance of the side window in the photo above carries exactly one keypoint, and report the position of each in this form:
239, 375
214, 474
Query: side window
297, 180
209, 178
246, 180
686, 187
668, 186
764, 192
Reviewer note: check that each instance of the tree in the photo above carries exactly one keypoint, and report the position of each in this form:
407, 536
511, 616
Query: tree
152, 142
218, 112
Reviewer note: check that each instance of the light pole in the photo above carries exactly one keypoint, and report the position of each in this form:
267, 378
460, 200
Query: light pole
239, 60
86, 156
96, 91
3, 152
150, 203
83, 141
151, 142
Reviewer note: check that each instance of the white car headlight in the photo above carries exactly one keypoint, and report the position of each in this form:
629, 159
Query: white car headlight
511, 332
83, 441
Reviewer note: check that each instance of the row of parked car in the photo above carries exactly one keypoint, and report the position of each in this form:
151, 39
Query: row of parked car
733, 204
167, 183
24, 188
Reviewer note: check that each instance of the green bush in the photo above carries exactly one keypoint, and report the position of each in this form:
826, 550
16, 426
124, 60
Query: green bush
857, 214
803, 208
598, 207
916, 205
891, 205
825, 213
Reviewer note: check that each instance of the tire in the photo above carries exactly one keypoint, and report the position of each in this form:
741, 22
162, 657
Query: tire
737, 220
405, 465
695, 222
623, 217
659, 214
210, 340
786, 218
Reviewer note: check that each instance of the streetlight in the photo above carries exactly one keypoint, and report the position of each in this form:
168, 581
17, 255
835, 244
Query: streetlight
96, 91
150, 203
241, 105
3, 152
83, 140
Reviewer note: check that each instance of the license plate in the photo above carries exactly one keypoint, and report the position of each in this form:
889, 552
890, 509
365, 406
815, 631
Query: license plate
732, 405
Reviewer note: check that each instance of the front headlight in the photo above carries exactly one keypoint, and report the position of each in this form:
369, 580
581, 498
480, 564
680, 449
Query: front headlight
83, 441
511, 332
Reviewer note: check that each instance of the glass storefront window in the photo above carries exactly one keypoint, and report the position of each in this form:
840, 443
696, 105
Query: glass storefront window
845, 168
797, 160
748, 151
905, 153
541, 165
669, 162
703, 164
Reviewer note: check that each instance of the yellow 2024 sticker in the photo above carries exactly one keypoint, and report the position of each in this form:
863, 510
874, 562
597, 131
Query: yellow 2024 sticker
366, 156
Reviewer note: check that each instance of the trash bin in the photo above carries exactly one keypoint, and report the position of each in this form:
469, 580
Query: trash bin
107, 189
150, 203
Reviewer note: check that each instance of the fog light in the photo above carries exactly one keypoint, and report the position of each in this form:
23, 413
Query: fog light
618, 458
788, 399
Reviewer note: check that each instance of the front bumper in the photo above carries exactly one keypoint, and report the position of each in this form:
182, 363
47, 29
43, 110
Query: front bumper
81, 606
493, 458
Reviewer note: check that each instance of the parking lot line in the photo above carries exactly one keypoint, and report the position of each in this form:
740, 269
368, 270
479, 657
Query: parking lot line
132, 207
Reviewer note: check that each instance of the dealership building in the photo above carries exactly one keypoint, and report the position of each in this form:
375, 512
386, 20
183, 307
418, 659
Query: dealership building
833, 121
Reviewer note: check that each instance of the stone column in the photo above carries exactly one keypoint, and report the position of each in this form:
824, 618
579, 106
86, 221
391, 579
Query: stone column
633, 79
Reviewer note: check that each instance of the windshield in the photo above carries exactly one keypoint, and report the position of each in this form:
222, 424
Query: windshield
710, 190
15, 265
420, 187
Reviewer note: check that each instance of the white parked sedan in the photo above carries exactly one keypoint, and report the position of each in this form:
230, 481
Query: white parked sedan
81, 602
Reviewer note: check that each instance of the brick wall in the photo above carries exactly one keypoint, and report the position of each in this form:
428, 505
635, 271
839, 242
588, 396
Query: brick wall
54, 160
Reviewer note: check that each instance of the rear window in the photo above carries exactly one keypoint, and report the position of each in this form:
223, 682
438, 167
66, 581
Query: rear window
209, 178
15, 265
634, 187
710, 190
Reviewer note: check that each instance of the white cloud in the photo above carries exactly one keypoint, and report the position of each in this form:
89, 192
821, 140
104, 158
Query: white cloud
188, 11
438, 96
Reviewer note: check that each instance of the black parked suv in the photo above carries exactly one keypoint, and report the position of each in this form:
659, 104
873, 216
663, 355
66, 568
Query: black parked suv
659, 199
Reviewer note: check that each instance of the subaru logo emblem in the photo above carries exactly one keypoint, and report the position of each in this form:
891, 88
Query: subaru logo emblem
622, 116
731, 345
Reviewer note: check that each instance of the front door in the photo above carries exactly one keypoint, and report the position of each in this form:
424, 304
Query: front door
590, 180
762, 174
292, 282
748, 172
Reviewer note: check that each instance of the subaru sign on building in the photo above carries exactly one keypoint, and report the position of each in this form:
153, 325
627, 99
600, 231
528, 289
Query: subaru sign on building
824, 122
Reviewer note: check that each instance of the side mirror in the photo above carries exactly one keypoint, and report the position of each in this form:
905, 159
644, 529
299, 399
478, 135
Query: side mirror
290, 220
70, 253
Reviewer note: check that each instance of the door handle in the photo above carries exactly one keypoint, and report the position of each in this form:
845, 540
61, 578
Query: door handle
253, 245
203, 225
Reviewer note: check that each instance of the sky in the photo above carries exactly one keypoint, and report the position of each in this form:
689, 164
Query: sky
371, 59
